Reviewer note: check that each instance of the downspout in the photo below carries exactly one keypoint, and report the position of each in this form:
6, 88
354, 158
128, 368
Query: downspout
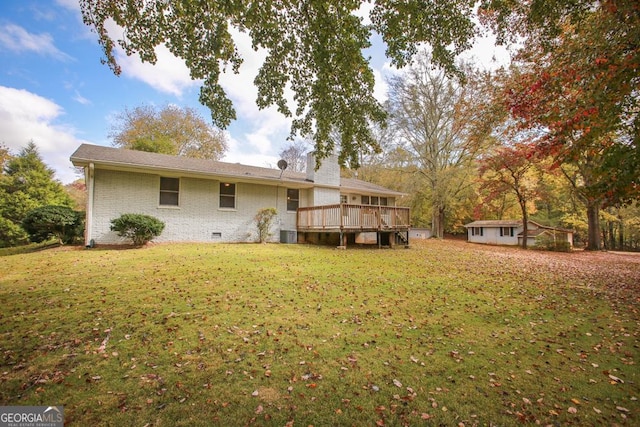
88, 227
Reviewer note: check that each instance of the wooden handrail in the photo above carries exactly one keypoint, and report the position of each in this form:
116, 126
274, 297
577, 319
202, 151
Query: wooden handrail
353, 217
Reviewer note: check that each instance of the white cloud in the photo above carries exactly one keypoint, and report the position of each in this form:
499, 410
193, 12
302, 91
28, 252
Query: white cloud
25, 116
235, 154
15, 38
381, 88
81, 99
69, 4
262, 131
486, 54
168, 75
364, 11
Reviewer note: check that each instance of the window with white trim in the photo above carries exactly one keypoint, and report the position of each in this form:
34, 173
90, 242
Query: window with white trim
293, 199
227, 195
477, 231
374, 200
506, 231
169, 191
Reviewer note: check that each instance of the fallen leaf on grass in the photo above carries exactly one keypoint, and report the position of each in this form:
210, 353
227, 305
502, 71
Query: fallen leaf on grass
397, 383
572, 410
615, 379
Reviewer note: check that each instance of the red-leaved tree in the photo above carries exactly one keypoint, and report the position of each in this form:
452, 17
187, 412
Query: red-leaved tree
580, 91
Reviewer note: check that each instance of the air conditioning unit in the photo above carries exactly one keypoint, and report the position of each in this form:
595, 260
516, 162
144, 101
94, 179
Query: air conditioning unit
288, 236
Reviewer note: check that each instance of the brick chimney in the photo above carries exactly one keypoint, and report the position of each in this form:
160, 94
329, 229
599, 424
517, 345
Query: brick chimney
326, 190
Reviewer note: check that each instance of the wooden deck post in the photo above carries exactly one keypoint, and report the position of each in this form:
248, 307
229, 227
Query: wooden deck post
342, 243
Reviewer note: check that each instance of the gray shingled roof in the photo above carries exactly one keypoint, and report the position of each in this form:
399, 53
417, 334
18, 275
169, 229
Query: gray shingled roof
513, 223
495, 223
121, 159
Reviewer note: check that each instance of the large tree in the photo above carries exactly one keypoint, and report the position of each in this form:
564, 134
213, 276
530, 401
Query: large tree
26, 183
169, 130
433, 119
513, 168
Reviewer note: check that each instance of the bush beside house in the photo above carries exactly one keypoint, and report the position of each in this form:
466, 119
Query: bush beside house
140, 228
263, 219
51, 221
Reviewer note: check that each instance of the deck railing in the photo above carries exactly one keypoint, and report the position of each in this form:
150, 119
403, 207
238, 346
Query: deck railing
347, 217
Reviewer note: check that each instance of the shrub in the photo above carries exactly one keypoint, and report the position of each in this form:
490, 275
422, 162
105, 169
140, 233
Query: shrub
547, 243
263, 219
11, 234
60, 222
138, 227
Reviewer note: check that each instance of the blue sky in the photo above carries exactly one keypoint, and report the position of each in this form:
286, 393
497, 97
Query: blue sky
55, 91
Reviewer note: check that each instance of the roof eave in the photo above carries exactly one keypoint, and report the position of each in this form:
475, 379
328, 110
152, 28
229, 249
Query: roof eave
133, 167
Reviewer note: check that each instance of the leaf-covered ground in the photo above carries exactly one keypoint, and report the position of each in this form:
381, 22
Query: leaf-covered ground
444, 333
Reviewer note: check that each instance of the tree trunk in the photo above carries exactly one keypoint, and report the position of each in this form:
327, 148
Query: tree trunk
437, 222
620, 233
525, 228
594, 241
522, 201
612, 235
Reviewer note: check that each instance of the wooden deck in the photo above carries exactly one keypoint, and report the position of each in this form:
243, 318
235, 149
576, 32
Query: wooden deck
347, 218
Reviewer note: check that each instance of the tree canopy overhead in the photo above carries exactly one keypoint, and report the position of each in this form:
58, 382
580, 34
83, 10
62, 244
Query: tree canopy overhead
314, 48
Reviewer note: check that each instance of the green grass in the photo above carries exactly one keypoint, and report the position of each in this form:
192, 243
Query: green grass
441, 334
31, 247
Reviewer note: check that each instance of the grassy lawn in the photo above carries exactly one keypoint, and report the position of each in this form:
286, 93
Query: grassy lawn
444, 333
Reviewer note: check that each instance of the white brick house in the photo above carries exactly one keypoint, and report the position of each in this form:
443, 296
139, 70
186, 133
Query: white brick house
207, 201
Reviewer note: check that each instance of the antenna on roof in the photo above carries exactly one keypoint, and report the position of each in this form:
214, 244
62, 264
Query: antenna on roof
282, 165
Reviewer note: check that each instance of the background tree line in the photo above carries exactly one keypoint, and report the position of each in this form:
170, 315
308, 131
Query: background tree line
478, 149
